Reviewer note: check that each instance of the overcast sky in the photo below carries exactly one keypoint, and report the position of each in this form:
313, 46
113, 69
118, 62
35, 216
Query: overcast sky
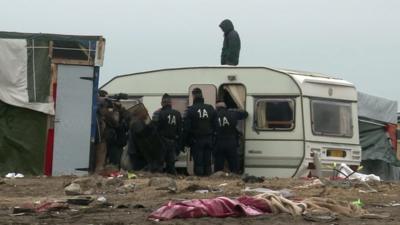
357, 40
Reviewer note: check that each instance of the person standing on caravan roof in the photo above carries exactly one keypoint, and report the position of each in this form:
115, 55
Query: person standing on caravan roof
198, 133
231, 47
227, 137
169, 126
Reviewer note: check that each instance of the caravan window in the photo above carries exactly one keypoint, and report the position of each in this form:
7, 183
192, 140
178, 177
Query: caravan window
331, 118
274, 114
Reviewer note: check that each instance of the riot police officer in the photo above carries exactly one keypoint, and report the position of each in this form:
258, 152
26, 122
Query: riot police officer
168, 123
198, 130
226, 136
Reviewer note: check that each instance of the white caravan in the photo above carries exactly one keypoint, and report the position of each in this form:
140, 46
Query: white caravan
292, 114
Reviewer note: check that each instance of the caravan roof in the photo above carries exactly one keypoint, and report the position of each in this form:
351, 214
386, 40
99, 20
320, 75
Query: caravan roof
306, 83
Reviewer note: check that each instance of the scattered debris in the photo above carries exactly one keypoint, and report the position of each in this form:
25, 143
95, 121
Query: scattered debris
80, 200
313, 183
130, 206
131, 175
287, 193
195, 187
346, 172
113, 181
358, 203
14, 175
73, 189
130, 187
223, 185
163, 183
46, 206
101, 199
319, 216
192, 178
252, 179
86, 183
201, 189
220, 174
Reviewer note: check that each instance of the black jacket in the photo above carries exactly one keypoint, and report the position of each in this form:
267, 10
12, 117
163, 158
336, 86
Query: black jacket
226, 122
168, 122
231, 47
198, 121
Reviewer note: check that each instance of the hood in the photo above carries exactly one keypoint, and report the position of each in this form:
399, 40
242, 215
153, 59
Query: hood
226, 26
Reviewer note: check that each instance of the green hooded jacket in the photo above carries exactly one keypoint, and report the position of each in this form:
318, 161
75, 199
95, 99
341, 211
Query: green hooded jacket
231, 47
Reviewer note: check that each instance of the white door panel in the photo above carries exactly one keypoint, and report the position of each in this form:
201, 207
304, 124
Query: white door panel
73, 119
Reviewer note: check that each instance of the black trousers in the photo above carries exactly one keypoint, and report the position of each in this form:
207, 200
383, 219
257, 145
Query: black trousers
170, 155
201, 151
114, 153
226, 149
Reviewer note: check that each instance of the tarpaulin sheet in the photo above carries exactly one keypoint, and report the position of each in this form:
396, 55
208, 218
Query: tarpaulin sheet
22, 140
378, 156
216, 207
20, 76
377, 108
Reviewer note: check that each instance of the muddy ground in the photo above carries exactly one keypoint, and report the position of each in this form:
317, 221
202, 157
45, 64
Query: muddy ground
130, 201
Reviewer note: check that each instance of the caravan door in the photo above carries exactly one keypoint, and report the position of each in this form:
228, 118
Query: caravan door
73, 118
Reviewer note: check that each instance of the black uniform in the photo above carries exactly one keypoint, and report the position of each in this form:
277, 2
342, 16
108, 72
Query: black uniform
169, 126
198, 131
227, 138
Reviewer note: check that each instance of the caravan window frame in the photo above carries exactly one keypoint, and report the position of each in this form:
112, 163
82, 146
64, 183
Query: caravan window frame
334, 102
259, 99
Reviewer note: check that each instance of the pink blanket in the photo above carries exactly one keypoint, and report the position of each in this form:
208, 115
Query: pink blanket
216, 207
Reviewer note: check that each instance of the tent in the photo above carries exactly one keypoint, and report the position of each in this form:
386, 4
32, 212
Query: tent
377, 125
34, 77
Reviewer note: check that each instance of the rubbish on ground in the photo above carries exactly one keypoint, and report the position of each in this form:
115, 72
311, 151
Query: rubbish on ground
116, 174
163, 183
14, 175
113, 181
319, 216
223, 185
131, 175
131, 187
89, 192
252, 179
202, 191
346, 172
45, 206
73, 189
101, 199
358, 203
195, 187
220, 174
130, 206
337, 183
86, 183
171, 189
287, 193
375, 216
315, 182
391, 204
80, 200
